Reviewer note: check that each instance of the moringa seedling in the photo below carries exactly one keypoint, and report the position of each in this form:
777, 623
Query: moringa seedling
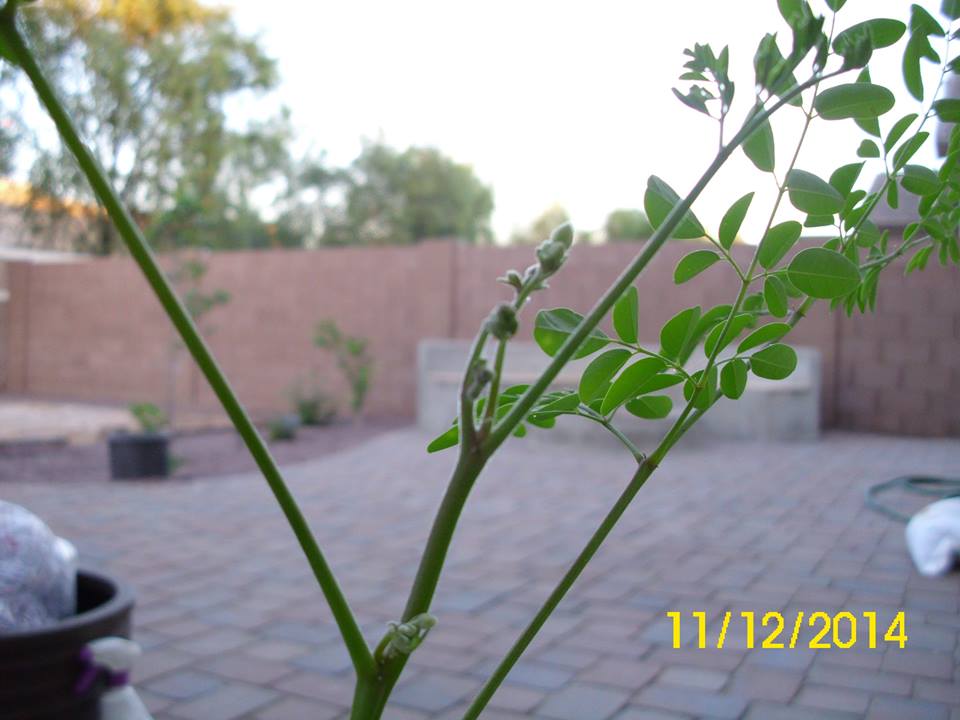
822, 74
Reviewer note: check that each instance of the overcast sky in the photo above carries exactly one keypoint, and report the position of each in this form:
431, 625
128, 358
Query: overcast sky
550, 102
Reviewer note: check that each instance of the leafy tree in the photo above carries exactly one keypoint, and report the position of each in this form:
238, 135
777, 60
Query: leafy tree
628, 224
392, 197
541, 228
148, 83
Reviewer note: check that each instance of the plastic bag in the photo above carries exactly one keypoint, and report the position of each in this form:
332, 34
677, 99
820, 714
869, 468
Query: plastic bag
933, 537
38, 572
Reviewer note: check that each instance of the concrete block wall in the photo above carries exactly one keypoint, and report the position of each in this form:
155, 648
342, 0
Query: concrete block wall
91, 330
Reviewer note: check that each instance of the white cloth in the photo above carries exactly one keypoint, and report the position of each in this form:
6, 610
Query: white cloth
933, 537
121, 702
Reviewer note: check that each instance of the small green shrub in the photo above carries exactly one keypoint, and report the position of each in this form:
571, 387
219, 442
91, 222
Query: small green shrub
283, 428
149, 417
312, 405
352, 358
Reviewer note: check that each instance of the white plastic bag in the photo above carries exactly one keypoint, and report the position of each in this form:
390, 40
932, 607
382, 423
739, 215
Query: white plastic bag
38, 572
933, 537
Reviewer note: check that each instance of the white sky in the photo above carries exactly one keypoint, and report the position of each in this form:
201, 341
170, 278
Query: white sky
550, 102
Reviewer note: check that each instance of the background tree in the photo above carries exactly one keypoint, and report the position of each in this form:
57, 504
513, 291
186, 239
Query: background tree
8, 141
540, 229
149, 83
628, 224
392, 197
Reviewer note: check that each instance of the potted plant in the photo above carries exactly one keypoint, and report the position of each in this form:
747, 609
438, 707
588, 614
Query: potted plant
822, 76
42, 669
141, 454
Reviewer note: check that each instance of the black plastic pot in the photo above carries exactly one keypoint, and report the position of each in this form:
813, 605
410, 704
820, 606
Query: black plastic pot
39, 669
139, 455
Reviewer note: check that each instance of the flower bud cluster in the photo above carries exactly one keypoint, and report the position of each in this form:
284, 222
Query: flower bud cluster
551, 254
479, 377
502, 321
553, 251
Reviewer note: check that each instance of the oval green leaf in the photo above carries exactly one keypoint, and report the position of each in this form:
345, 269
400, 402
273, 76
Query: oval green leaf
737, 326
868, 149
774, 362
823, 273
764, 334
652, 407
883, 32
854, 100
844, 177
775, 295
948, 110
919, 180
626, 314
898, 129
733, 378
659, 200
659, 382
810, 194
909, 148
553, 327
732, 220
760, 147
707, 394
629, 382
679, 331
693, 264
597, 375
777, 243
445, 440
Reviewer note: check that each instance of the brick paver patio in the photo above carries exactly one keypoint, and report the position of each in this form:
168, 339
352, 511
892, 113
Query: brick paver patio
234, 628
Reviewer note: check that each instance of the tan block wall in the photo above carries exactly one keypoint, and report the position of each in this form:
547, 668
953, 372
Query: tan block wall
93, 331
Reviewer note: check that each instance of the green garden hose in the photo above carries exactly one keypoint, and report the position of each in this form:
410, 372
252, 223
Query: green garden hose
936, 487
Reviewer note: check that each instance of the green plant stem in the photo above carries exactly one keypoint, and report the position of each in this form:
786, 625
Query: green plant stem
520, 408
640, 477
491, 407
684, 422
587, 413
468, 430
727, 256
353, 638
469, 465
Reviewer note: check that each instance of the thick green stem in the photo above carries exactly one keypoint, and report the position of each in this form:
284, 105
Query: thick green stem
469, 465
596, 540
130, 232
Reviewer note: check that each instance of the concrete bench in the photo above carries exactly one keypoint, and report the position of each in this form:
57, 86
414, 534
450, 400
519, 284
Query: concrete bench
769, 410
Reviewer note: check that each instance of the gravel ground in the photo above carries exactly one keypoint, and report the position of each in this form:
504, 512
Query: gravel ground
195, 454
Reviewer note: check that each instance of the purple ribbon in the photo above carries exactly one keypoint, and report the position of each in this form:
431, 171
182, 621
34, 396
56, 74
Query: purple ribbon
91, 671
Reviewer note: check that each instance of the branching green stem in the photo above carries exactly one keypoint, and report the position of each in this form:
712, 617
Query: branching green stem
520, 408
727, 256
589, 414
359, 650
642, 474
468, 430
688, 417
491, 407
